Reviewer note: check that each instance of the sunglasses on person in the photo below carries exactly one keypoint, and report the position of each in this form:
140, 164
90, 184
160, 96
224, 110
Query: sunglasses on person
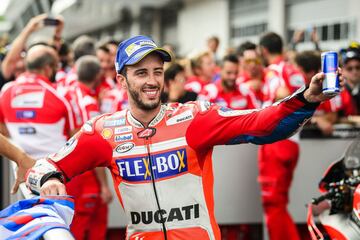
351, 68
252, 60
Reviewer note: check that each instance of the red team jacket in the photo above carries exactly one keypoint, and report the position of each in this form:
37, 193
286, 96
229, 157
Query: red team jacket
280, 74
37, 117
240, 98
163, 173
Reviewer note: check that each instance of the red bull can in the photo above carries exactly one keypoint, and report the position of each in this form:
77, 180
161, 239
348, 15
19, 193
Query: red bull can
329, 66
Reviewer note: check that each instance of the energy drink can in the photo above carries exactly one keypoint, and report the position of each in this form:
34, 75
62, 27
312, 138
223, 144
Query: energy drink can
329, 66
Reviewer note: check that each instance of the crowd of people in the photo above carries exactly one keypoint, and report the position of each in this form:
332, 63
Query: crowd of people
52, 88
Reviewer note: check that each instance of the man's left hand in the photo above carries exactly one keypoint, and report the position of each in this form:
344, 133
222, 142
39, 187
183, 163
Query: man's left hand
314, 92
106, 194
23, 166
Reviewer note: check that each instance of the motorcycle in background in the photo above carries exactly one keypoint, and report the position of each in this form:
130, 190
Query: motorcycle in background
338, 209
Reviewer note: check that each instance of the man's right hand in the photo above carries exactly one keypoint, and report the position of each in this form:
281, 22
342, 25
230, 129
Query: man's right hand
53, 186
36, 23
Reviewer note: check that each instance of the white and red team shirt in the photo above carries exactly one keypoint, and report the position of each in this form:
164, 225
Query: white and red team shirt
344, 103
163, 173
84, 103
113, 100
240, 98
281, 74
195, 84
65, 80
39, 120
244, 79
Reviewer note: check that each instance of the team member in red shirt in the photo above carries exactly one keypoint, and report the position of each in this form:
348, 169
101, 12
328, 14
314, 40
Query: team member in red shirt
251, 71
175, 78
203, 67
348, 102
114, 100
226, 92
83, 45
160, 154
90, 189
277, 161
38, 119
309, 63
106, 83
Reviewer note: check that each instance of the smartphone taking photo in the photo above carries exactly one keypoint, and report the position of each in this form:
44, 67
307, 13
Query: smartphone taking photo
51, 21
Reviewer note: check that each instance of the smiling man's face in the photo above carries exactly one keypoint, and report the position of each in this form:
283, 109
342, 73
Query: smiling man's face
145, 82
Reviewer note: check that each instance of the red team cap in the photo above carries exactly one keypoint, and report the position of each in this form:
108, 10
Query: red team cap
132, 50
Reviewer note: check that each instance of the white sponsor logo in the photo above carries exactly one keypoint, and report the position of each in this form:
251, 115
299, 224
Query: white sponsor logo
120, 130
125, 147
124, 137
182, 117
114, 123
137, 45
28, 100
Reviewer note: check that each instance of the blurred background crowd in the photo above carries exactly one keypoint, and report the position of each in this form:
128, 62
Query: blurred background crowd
75, 56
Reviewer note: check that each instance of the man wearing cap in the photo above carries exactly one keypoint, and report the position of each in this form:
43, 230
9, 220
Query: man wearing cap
348, 102
160, 155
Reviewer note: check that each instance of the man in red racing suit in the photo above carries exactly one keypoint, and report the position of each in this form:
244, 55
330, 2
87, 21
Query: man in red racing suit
160, 155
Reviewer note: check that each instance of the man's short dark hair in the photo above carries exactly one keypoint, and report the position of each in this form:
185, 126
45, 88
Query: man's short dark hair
230, 58
88, 67
124, 71
245, 46
113, 42
46, 58
172, 71
103, 47
309, 61
215, 39
83, 45
351, 54
272, 42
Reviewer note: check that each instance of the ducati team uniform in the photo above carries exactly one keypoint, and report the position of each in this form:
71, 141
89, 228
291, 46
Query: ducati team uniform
90, 219
244, 77
39, 119
64, 81
113, 100
195, 84
163, 173
241, 98
347, 103
277, 161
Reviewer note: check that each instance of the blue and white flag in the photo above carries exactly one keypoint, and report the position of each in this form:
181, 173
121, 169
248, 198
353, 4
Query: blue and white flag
31, 218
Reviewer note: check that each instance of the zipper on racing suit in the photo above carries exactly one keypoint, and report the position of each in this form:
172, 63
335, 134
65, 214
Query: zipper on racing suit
147, 142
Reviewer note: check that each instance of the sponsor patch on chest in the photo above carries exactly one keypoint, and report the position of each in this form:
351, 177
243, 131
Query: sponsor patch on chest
182, 117
114, 123
162, 165
123, 137
124, 147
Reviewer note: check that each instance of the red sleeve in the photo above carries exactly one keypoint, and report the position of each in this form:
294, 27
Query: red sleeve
219, 126
2, 119
92, 110
84, 151
2, 97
